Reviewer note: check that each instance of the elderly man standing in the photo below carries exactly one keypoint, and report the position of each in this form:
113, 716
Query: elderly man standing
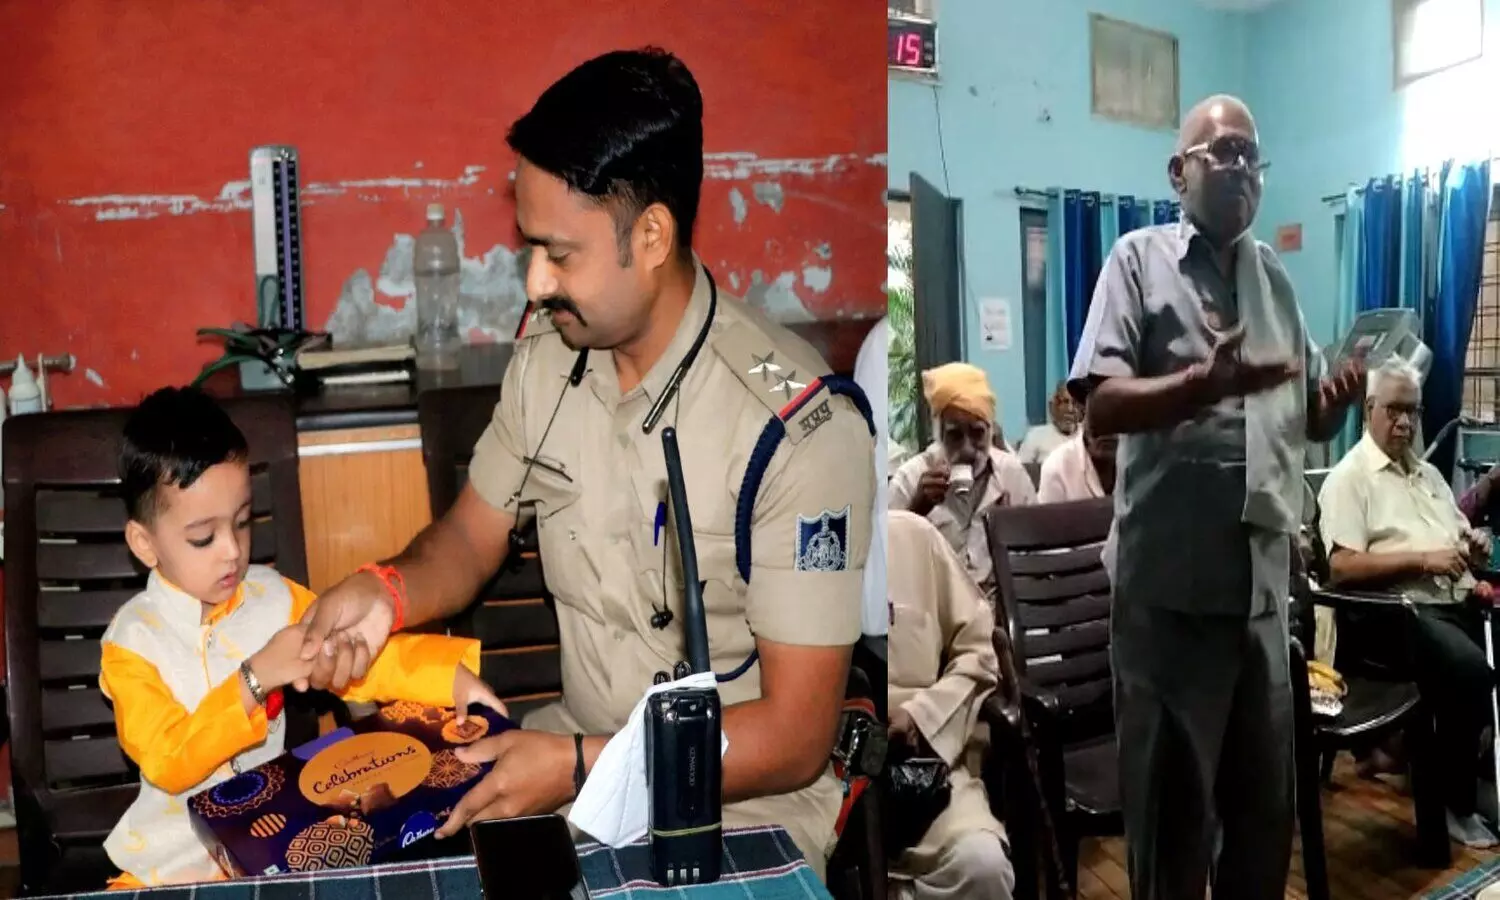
1196, 354
962, 474
1390, 522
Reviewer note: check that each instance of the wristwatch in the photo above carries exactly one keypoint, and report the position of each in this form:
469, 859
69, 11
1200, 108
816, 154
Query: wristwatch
252, 683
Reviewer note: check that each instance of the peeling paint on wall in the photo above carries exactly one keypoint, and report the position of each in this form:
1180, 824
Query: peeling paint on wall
778, 297
492, 293
738, 207
235, 196
740, 166
769, 193
817, 278
93, 377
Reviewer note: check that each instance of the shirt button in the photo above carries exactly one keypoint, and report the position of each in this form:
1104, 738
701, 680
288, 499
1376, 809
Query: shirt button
572, 535
624, 440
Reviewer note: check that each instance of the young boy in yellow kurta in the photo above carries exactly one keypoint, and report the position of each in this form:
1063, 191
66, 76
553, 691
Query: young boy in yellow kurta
195, 663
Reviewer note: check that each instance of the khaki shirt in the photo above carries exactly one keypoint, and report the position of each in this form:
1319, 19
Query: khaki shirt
942, 668
960, 519
597, 485
1370, 505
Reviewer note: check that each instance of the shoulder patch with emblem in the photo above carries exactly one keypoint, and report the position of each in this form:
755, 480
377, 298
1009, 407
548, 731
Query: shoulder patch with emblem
789, 390
823, 541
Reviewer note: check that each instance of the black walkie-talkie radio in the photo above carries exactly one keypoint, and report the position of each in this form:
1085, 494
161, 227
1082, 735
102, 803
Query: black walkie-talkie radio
684, 777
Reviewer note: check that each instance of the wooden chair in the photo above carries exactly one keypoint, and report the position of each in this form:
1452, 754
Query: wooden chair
513, 615
67, 572
1056, 598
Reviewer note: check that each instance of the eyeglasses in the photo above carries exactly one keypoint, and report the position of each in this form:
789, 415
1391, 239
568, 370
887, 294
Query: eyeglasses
1399, 410
1231, 150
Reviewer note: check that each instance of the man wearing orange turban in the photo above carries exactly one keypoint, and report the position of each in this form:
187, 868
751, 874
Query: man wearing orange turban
962, 474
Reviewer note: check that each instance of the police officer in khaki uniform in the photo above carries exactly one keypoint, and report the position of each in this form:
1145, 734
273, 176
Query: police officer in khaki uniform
632, 335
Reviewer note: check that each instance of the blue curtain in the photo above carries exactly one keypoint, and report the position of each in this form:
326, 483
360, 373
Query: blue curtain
1058, 355
1347, 304
1109, 225
1076, 302
1449, 317
1382, 245
1093, 260
1083, 229
1413, 204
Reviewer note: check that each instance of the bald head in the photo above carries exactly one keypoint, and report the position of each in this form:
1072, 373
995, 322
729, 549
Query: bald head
1216, 168
1205, 119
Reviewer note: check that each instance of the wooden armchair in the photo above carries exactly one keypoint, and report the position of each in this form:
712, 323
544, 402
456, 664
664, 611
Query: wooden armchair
67, 572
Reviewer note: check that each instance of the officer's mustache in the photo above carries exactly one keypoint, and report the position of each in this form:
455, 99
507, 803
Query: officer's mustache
555, 303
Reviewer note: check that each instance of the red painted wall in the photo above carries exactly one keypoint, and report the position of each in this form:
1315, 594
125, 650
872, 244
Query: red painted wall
110, 110
105, 103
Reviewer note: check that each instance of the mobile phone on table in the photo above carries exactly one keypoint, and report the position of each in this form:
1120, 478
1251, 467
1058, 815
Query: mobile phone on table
527, 858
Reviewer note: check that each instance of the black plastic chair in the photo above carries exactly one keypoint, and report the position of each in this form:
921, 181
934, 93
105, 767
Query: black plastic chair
1056, 600
1377, 704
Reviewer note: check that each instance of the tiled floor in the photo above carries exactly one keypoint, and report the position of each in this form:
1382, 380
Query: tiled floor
1369, 831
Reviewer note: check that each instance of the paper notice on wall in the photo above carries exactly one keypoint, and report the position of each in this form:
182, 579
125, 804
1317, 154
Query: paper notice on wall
994, 323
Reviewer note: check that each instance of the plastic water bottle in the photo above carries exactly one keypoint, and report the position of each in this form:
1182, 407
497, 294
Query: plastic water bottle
435, 269
25, 396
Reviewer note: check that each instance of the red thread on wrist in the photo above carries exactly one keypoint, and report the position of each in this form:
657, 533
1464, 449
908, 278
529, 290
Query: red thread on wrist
395, 585
274, 704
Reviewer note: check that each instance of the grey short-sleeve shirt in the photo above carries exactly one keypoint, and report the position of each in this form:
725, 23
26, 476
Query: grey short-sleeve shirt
1180, 496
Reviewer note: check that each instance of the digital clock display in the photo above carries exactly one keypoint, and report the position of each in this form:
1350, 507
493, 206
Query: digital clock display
911, 44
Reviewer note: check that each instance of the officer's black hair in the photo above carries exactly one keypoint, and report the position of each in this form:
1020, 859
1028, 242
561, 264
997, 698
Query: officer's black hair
626, 130
171, 439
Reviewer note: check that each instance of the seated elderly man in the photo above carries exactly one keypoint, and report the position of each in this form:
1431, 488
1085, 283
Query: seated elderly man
962, 474
1081, 469
1043, 440
1390, 522
942, 667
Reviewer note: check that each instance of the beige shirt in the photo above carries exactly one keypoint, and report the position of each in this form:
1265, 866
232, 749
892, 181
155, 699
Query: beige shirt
1069, 474
960, 519
1370, 505
595, 491
1040, 442
942, 668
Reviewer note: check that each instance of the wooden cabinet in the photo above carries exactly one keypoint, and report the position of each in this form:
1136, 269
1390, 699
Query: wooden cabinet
364, 497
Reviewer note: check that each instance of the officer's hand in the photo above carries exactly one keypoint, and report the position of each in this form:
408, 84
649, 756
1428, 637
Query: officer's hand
533, 775
1226, 375
931, 490
1450, 563
1343, 387
346, 628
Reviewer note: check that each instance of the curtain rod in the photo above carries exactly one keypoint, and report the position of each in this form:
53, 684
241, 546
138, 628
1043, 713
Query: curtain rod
1034, 192
1427, 175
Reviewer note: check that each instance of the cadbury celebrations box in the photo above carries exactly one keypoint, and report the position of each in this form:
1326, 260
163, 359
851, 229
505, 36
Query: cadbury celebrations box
350, 798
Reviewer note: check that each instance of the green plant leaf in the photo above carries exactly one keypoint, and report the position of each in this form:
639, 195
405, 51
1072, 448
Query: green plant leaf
904, 380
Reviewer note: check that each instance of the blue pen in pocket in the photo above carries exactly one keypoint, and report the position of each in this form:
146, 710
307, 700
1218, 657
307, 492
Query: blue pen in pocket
661, 522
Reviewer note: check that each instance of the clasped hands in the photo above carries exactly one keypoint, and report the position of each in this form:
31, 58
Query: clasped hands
348, 626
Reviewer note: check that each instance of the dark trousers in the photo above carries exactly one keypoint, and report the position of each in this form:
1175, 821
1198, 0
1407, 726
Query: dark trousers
1443, 652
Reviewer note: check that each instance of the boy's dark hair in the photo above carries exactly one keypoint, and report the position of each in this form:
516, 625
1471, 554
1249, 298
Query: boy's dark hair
172, 438
626, 130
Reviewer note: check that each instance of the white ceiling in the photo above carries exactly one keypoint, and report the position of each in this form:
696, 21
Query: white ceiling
1238, 5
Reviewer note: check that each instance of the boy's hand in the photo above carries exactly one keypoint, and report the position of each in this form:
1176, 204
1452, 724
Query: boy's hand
468, 688
279, 662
